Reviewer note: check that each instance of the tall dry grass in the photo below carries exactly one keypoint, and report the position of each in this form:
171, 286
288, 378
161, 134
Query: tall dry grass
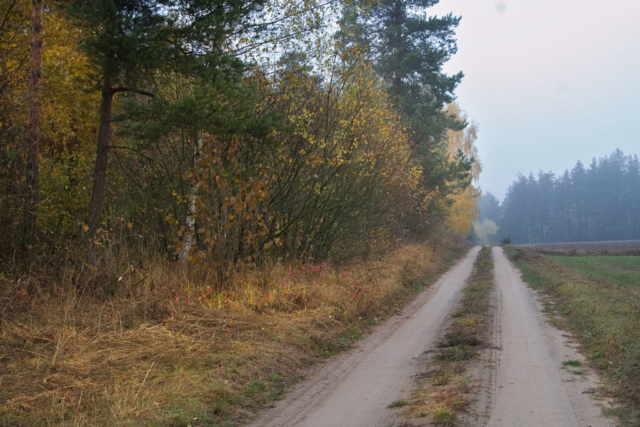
166, 349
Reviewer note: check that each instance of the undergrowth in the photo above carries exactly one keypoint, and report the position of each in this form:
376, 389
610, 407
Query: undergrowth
165, 349
603, 313
443, 391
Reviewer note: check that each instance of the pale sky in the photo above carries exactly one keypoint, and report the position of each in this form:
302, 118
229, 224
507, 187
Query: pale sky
548, 81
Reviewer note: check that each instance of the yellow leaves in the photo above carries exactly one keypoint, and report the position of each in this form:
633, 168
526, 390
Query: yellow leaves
464, 140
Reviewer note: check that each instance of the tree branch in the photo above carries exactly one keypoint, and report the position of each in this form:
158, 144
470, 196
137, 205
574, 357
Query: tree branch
138, 91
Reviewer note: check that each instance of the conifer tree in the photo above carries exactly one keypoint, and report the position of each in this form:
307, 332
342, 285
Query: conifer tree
131, 42
409, 49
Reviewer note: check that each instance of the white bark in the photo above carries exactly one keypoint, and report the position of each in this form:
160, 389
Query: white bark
187, 243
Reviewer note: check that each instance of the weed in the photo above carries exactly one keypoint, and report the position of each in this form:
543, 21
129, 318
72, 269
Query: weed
442, 377
456, 354
398, 403
459, 338
445, 417
468, 321
254, 388
574, 363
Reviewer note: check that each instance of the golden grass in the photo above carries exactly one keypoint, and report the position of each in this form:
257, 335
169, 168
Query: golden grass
171, 351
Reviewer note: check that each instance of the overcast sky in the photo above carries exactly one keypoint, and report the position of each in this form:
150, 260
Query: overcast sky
548, 81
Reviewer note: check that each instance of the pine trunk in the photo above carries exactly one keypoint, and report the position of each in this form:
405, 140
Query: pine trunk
100, 171
33, 134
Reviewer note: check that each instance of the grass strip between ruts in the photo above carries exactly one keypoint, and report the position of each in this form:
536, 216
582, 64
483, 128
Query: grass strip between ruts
442, 393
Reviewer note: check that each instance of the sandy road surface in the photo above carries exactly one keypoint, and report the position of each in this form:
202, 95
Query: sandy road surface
522, 381
529, 385
355, 389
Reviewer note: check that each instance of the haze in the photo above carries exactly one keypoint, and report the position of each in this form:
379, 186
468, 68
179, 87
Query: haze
549, 82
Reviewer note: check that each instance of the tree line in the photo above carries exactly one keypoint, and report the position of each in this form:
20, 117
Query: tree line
596, 203
227, 131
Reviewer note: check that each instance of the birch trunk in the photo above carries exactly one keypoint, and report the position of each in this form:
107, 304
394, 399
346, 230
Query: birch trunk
193, 208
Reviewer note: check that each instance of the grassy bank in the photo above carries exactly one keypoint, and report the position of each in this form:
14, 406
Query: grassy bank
443, 391
596, 298
175, 352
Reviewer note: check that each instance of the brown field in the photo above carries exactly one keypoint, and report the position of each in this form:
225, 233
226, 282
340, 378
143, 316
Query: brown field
618, 247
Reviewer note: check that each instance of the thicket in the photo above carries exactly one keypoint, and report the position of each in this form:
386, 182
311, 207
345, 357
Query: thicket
600, 202
224, 133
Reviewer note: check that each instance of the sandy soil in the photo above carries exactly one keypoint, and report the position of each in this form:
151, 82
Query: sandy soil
530, 386
356, 388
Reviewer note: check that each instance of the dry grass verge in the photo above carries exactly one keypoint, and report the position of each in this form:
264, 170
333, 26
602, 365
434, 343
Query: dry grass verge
175, 352
604, 314
443, 391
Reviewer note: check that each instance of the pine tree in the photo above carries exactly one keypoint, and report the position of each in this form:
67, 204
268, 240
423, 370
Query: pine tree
594, 204
409, 49
489, 207
131, 42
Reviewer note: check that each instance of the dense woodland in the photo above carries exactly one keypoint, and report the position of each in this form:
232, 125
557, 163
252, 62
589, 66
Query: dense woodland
227, 131
599, 202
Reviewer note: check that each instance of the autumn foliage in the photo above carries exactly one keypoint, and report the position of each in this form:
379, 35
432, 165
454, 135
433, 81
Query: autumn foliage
303, 158
203, 163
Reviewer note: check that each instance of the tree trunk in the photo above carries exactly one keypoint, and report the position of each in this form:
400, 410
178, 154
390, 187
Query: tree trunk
100, 171
33, 134
187, 243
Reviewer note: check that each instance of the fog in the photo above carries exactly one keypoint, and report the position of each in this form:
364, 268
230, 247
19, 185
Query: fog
550, 82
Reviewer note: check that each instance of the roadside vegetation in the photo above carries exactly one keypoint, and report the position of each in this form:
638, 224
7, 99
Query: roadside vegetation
176, 352
443, 391
596, 298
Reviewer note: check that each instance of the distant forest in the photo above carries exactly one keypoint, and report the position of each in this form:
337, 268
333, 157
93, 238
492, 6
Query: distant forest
600, 202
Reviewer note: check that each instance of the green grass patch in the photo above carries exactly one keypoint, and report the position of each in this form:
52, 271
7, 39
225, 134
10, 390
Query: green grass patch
621, 270
574, 363
398, 403
445, 417
600, 303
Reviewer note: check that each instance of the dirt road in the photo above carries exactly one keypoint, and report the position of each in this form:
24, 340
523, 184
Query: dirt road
522, 381
356, 388
530, 387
